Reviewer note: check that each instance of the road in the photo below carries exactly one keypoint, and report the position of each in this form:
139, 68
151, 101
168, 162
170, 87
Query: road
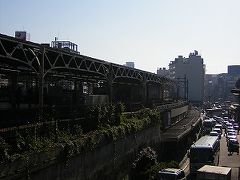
227, 160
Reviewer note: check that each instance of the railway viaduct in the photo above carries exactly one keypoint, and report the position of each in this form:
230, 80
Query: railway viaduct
55, 78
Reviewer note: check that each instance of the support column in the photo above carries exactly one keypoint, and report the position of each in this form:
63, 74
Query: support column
110, 91
41, 84
13, 88
110, 84
161, 91
75, 93
157, 96
81, 98
144, 91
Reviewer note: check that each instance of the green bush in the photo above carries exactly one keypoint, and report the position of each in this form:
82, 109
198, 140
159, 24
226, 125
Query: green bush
145, 160
101, 122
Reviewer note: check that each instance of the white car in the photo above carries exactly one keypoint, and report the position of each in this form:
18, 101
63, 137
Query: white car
214, 133
171, 173
231, 136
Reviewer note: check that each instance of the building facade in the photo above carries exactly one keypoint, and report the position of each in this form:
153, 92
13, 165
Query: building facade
218, 87
210, 87
163, 72
192, 70
234, 70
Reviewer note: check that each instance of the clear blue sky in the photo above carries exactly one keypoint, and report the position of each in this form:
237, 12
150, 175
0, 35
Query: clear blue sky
149, 32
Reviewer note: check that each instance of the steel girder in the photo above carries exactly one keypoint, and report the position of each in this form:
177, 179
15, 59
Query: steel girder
45, 61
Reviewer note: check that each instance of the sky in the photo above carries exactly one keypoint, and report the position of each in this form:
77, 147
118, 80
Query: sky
151, 33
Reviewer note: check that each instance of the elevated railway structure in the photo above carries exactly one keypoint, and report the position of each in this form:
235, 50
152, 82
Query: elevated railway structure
37, 76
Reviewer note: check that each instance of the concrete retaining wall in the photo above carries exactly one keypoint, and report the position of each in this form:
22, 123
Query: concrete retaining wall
112, 160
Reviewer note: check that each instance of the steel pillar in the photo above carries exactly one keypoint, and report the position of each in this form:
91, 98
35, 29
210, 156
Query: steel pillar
110, 84
41, 84
144, 91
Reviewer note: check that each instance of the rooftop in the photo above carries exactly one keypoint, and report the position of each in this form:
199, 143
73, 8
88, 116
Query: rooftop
215, 169
181, 128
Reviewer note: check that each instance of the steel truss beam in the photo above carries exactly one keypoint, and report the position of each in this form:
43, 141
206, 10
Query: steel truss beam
27, 55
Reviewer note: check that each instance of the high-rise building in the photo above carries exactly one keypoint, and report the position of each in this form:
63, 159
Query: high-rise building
211, 92
218, 87
163, 72
192, 70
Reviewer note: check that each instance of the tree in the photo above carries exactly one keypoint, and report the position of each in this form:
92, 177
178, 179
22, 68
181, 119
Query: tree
145, 160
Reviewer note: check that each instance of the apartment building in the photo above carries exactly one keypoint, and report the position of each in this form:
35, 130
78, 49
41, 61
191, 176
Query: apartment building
189, 70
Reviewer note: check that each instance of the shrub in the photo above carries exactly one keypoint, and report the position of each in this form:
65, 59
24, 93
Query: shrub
145, 160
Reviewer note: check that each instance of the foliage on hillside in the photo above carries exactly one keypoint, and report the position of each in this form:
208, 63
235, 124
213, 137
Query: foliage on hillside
146, 165
102, 124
